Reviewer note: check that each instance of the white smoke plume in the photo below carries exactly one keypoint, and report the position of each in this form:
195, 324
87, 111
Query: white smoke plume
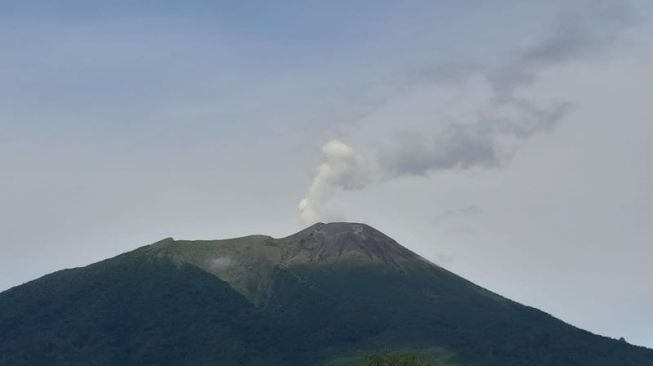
341, 168
481, 141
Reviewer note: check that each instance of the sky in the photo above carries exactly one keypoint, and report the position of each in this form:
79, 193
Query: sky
510, 142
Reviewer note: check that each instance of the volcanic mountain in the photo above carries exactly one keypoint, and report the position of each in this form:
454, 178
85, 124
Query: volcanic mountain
326, 295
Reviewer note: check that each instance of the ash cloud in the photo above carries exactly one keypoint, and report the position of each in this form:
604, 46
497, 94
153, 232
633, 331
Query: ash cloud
500, 126
481, 143
507, 117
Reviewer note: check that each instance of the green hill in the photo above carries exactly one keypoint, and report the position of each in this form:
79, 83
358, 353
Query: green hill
330, 294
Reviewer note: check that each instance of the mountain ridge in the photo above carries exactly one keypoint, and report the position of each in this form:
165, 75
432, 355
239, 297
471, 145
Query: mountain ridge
247, 262
328, 291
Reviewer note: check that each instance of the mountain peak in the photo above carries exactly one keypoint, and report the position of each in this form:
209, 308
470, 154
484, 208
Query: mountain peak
344, 241
336, 228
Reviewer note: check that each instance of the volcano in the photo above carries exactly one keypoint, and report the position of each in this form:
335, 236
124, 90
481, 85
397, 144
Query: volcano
327, 295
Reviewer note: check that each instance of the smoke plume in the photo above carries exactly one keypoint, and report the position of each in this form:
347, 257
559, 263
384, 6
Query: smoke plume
341, 168
501, 124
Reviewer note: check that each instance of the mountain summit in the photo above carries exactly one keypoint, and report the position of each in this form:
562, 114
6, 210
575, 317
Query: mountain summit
326, 295
342, 242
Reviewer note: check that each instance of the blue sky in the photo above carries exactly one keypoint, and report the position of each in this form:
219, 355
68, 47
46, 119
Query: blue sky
507, 141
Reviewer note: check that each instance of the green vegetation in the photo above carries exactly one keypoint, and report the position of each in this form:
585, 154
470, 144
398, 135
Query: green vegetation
396, 360
159, 306
424, 357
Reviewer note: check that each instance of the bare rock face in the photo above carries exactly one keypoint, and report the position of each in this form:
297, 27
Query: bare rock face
343, 242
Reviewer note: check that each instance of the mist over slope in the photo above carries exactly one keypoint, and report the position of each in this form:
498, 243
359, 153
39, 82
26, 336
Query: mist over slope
328, 292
